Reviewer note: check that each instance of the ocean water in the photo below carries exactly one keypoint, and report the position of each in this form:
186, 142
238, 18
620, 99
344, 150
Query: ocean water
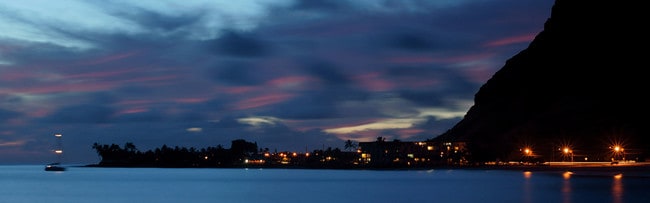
30, 183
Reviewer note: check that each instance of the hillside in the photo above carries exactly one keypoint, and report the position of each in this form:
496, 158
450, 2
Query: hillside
581, 82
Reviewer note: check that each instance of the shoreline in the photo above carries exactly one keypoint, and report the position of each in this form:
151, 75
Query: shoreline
578, 167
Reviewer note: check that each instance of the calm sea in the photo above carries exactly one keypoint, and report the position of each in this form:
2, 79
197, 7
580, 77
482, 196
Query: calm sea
30, 183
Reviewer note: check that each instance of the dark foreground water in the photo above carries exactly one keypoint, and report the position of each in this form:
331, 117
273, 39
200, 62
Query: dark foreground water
79, 184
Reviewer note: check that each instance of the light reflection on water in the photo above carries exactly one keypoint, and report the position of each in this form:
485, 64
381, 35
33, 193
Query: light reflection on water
566, 187
616, 192
617, 189
32, 184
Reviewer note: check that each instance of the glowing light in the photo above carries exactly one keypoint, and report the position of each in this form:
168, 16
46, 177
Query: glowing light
528, 151
618, 176
566, 175
194, 129
58, 151
57, 135
528, 174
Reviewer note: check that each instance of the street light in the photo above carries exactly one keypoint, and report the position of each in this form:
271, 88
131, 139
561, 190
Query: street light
528, 152
618, 150
567, 151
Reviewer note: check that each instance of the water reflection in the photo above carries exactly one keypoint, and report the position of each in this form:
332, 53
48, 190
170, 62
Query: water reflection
617, 188
527, 187
566, 187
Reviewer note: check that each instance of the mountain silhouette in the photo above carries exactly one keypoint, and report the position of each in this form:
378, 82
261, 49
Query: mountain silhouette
582, 82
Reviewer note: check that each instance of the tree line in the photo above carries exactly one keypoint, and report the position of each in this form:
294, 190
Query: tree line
238, 155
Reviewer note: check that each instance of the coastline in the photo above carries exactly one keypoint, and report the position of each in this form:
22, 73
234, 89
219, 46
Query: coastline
641, 169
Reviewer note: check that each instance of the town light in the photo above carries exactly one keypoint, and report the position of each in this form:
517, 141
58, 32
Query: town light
567, 151
618, 152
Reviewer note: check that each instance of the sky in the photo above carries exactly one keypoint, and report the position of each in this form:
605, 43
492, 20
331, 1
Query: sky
290, 75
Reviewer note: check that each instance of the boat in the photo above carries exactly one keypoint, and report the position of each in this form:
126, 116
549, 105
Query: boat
56, 166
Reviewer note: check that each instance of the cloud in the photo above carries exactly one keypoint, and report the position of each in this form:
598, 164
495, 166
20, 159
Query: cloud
379, 125
259, 121
236, 73
83, 113
240, 45
5, 115
413, 42
277, 72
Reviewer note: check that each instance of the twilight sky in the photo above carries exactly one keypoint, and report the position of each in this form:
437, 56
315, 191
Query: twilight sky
291, 75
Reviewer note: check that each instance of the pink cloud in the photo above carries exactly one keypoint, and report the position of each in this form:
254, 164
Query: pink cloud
262, 101
373, 82
136, 102
38, 113
363, 136
478, 74
289, 81
511, 40
238, 90
13, 143
190, 100
153, 78
353, 123
133, 110
408, 132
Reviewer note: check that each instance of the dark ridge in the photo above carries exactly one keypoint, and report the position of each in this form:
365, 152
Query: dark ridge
581, 81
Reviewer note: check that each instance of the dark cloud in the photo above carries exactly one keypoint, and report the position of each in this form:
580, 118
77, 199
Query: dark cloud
140, 117
434, 126
240, 45
413, 42
235, 73
307, 106
437, 85
327, 72
228, 122
320, 5
423, 97
83, 113
160, 22
7, 114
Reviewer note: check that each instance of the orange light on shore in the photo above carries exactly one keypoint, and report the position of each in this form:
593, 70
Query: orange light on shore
528, 151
